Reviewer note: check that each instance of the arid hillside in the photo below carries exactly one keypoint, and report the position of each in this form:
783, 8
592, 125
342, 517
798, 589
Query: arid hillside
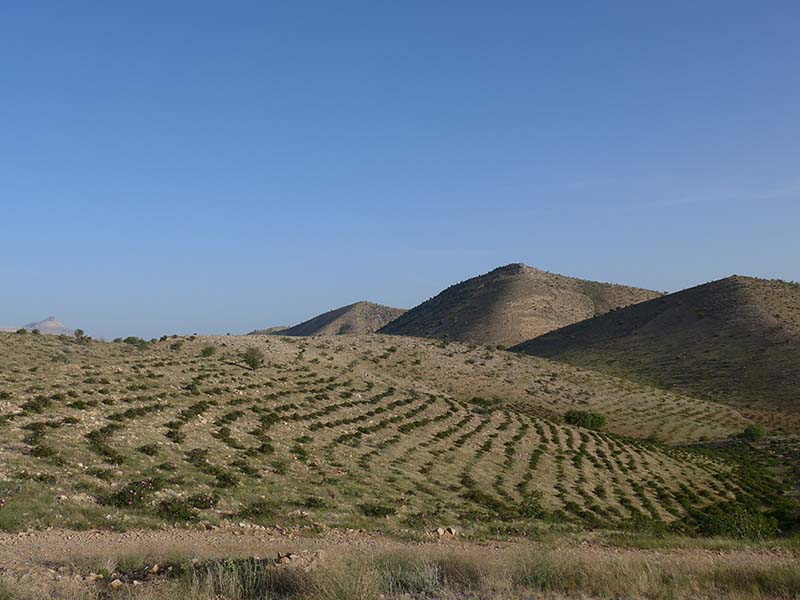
512, 304
736, 340
354, 319
351, 431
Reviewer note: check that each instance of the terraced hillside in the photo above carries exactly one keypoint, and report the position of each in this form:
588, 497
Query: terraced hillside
736, 340
512, 304
354, 319
358, 431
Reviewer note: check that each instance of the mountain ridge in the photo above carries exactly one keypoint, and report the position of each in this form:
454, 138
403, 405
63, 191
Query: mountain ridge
510, 304
358, 318
736, 339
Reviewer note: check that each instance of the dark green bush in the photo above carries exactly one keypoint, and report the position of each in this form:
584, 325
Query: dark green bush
582, 418
132, 340
259, 509
753, 432
315, 502
203, 501
134, 494
376, 510
148, 449
176, 509
734, 520
531, 507
208, 351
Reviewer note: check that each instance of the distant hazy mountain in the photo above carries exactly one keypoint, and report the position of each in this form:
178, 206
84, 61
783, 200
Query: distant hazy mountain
48, 326
512, 304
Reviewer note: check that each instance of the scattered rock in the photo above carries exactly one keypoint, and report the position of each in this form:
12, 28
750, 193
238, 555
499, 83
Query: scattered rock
116, 584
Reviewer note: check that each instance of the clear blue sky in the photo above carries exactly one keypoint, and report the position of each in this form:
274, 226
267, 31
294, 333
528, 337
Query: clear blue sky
220, 166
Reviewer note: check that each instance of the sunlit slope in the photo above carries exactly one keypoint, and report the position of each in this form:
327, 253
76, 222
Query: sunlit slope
442, 432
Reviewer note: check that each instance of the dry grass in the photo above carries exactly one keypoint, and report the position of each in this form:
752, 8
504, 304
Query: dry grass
548, 572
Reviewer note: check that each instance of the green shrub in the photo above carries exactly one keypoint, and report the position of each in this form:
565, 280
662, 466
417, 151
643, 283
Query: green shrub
735, 520
315, 502
148, 449
531, 507
753, 432
376, 510
203, 501
582, 418
259, 509
176, 509
134, 494
253, 357
208, 351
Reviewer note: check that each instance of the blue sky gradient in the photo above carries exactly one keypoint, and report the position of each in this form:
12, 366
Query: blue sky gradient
216, 167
